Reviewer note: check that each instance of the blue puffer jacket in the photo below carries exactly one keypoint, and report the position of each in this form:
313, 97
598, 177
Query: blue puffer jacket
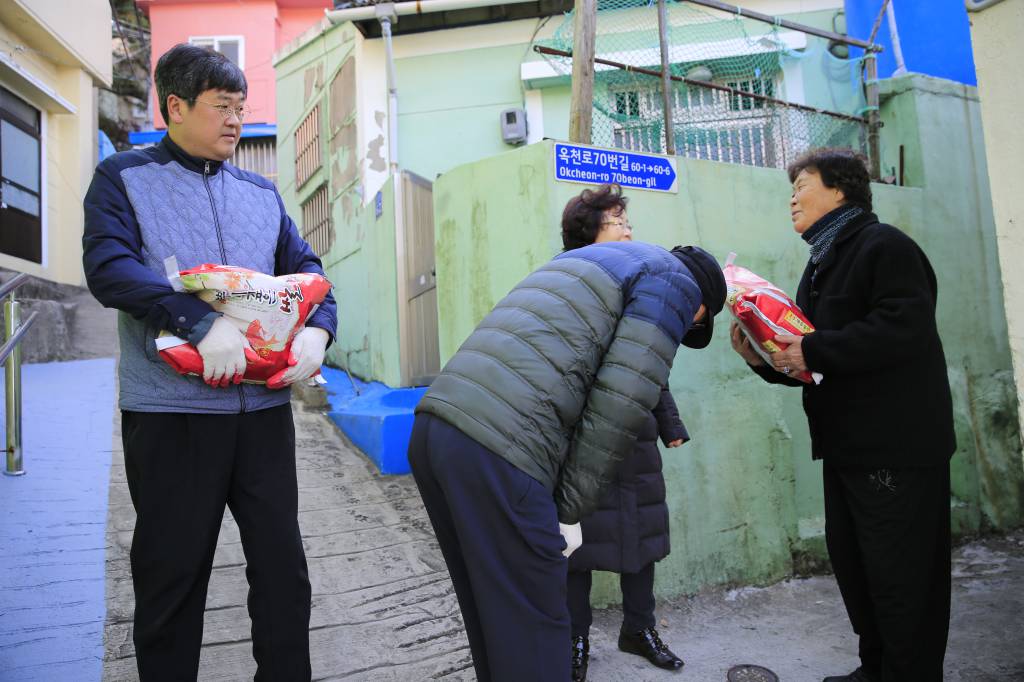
144, 206
560, 378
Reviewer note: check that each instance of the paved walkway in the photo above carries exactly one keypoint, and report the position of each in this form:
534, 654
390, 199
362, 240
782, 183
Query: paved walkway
52, 523
798, 628
383, 607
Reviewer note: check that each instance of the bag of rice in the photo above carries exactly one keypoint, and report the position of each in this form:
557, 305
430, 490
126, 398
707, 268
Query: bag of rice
764, 311
268, 310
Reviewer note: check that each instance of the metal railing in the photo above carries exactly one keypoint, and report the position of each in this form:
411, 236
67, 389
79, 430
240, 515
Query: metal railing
10, 354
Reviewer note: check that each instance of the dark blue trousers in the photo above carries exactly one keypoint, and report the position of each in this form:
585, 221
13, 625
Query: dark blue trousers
498, 531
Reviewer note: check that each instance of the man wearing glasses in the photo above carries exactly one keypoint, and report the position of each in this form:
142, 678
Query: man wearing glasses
193, 445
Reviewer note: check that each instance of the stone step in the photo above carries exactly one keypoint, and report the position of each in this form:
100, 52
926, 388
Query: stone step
70, 324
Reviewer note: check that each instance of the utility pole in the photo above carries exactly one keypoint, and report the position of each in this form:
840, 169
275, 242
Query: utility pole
581, 110
666, 80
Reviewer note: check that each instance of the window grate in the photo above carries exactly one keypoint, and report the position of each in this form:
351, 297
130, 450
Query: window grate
308, 156
316, 222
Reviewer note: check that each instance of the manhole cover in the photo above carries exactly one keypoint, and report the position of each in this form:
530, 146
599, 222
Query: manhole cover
751, 673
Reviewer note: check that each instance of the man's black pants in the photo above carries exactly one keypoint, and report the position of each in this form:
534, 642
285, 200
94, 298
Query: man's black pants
182, 469
888, 536
637, 600
498, 531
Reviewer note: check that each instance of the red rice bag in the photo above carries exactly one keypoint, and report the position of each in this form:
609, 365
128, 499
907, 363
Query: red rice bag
764, 311
268, 310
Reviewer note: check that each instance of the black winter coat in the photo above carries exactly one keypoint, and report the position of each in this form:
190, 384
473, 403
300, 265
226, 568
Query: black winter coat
629, 530
885, 399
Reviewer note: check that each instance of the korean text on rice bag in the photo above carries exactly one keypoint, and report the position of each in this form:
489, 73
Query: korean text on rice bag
764, 311
268, 310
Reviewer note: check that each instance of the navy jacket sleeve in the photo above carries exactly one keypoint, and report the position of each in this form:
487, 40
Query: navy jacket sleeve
657, 312
295, 255
670, 426
114, 268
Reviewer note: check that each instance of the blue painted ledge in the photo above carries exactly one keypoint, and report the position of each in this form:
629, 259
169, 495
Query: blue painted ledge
375, 417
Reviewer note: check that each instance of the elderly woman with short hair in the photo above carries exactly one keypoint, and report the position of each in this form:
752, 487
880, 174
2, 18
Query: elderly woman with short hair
881, 420
629, 531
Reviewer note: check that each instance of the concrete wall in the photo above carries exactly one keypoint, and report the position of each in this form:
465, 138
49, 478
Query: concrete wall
939, 124
744, 496
452, 85
361, 261
78, 33
67, 56
996, 35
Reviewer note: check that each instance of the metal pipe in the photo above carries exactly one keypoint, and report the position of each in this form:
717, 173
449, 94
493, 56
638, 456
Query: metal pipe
10, 344
386, 14
979, 5
871, 94
11, 351
894, 34
785, 23
666, 82
340, 16
12, 284
541, 49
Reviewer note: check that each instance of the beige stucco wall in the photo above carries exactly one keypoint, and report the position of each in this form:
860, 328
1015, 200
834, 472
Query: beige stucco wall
998, 54
64, 51
79, 31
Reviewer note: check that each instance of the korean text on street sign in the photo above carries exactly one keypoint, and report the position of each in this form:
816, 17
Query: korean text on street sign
594, 166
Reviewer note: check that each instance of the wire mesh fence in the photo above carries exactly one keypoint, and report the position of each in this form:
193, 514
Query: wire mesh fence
734, 89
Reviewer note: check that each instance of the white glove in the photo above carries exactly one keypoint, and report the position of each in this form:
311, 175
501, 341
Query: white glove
223, 353
307, 354
573, 537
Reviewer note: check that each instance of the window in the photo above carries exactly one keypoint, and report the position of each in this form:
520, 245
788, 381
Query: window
627, 103
708, 123
257, 154
308, 156
757, 86
316, 221
21, 233
232, 47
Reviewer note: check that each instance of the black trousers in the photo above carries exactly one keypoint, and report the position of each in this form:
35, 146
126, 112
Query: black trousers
888, 536
182, 469
637, 600
498, 531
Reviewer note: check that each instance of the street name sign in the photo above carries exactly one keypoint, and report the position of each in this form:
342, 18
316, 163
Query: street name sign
596, 166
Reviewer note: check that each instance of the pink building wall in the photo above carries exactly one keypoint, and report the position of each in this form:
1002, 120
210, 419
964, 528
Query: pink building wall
266, 25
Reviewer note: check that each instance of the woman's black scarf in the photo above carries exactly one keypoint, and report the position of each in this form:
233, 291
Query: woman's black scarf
821, 234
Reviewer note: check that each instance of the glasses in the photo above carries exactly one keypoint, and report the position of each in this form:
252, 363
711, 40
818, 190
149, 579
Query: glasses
227, 111
616, 223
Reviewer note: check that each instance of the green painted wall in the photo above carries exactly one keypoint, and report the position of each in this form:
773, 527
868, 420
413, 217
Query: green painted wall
361, 261
450, 103
744, 496
939, 125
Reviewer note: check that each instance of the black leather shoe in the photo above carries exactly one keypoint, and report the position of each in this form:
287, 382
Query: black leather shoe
646, 643
580, 658
858, 675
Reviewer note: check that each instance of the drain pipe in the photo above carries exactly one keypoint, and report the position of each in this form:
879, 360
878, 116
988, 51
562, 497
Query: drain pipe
386, 15
340, 16
894, 34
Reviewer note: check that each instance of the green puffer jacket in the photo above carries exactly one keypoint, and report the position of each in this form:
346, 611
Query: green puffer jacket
561, 376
